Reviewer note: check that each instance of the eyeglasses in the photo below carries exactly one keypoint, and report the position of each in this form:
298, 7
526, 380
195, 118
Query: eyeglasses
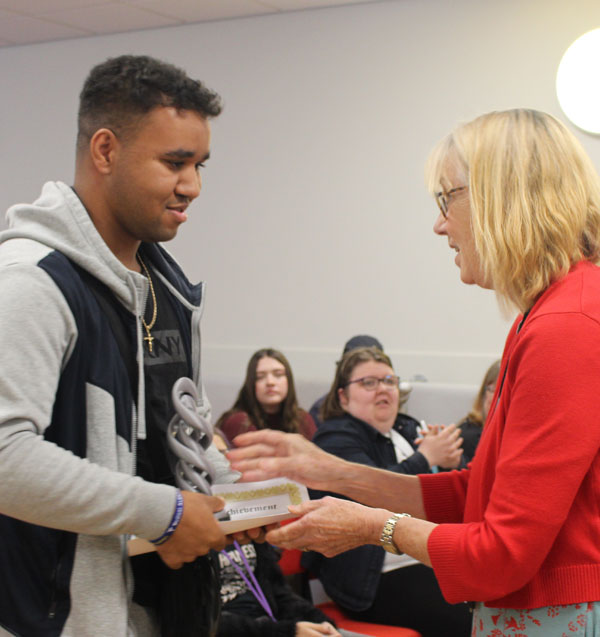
370, 383
443, 199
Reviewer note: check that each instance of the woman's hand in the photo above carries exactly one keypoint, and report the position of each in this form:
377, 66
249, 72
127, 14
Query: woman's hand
309, 629
330, 526
266, 454
442, 446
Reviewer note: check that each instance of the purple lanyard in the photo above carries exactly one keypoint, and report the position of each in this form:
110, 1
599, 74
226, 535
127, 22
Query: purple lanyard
253, 586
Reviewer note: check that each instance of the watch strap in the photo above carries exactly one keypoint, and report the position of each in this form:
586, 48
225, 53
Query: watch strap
387, 534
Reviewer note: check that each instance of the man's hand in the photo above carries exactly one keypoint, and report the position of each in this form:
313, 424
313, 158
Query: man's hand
197, 532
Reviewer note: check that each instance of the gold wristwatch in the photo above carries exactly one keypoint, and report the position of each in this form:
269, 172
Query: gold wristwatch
387, 535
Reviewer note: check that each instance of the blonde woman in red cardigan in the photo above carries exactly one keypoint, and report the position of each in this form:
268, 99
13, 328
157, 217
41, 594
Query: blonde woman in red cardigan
518, 531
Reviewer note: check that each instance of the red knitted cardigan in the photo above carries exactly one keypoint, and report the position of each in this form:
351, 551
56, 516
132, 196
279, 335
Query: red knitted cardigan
520, 528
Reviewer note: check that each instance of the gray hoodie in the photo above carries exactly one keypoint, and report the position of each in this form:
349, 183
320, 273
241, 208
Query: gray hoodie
67, 434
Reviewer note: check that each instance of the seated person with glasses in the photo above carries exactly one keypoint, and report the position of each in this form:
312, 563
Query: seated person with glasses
362, 423
471, 427
360, 340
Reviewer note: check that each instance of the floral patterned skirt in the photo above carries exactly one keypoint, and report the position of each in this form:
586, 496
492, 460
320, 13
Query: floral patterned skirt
581, 620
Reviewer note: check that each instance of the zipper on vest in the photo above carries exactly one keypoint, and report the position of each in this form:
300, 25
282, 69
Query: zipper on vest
53, 602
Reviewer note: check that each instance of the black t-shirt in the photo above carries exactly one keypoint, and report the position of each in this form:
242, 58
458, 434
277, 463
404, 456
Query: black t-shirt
166, 363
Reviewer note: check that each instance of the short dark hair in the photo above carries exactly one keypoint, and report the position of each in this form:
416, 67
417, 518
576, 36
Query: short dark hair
361, 340
120, 91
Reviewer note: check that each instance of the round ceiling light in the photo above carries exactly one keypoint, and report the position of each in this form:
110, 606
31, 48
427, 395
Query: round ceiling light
577, 85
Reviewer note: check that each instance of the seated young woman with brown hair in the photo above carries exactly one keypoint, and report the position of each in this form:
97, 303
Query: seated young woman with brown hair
267, 399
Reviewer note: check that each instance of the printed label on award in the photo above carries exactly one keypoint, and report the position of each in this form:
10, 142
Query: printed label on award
252, 504
247, 505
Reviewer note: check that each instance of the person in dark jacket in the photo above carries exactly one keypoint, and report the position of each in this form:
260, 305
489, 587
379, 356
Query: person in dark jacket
243, 614
362, 424
360, 340
285, 613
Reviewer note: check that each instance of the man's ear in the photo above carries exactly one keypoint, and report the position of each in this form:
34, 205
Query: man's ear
104, 149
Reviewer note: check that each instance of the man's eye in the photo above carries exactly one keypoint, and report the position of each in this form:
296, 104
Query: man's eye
199, 165
176, 165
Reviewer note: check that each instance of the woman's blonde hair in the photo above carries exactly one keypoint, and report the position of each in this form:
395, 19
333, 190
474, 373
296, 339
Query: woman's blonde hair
535, 198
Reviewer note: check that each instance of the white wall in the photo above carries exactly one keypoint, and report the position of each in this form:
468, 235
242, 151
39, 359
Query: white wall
314, 223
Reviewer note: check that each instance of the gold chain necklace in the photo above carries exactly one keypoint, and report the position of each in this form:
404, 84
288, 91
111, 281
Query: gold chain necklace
149, 338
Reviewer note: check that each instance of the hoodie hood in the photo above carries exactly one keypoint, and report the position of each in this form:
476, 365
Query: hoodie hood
58, 220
